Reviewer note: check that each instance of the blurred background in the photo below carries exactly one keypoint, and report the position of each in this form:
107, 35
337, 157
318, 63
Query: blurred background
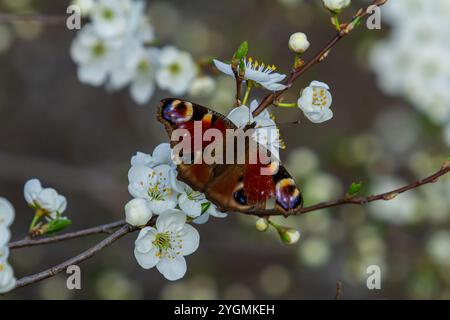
391, 126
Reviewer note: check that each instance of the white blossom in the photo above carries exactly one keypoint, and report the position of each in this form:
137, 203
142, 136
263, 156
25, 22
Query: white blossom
260, 73
109, 17
336, 5
7, 280
298, 42
166, 245
95, 56
138, 212
46, 199
153, 178
315, 102
155, 185
161, 155
202, 86
176, 70
6, 212
6, 219
266, 133
85, 6
137, 69
420, 75
195, 205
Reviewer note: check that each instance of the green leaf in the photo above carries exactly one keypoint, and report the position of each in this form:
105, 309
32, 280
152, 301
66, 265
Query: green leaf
241, 52
56, 225
205, 206
354, 189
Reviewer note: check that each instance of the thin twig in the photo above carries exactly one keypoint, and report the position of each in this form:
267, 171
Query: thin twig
106, 228
362, 200
128, 229
296, 73
50, 20
75, 260
338, 290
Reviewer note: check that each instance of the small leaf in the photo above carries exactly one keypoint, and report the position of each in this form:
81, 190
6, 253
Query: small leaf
205, 206
241, 52
354, 189
56, 225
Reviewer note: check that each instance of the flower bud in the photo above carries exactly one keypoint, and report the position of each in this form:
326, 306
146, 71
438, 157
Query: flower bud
336, 5
289, 236
298, 42
137, 212
262, 224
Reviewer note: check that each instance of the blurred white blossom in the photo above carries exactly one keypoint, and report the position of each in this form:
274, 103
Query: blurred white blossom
166, 244
114, 50
7, 279
202, 86
400, 210
438, 248
412, 62
336, 5
177, 70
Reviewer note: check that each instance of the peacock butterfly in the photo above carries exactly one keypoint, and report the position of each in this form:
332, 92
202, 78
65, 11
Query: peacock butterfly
231, 187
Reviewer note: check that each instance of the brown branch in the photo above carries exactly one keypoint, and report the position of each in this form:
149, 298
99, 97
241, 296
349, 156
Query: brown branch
25, 281
363, 200
337, 296
49, 20
106, 228
296, 73
128, 229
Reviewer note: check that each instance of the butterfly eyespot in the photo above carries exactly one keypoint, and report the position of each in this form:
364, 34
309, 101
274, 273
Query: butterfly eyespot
177, 111
287, 194
240, 197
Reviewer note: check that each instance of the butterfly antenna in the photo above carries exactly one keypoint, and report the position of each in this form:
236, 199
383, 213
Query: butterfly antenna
281, 124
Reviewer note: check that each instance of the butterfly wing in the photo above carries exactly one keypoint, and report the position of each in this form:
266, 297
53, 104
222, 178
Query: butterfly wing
238, 187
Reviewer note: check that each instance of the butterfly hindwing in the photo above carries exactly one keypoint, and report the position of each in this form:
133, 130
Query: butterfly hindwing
238, 187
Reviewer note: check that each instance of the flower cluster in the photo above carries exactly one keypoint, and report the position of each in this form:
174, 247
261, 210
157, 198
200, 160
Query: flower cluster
114, 49
7, 280
156, 190
412, 61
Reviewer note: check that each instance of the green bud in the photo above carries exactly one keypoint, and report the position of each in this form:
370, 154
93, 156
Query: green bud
241, 52
288, 235
354, 189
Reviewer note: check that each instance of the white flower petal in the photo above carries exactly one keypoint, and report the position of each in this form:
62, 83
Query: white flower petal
172, 269
147, 260
6, 212
171, 220
191, 207
191, 239
31, 190
223, 67
141, 159
240, 116
162, 154
5, 235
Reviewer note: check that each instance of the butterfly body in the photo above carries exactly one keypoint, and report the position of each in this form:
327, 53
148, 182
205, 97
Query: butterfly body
237, 186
